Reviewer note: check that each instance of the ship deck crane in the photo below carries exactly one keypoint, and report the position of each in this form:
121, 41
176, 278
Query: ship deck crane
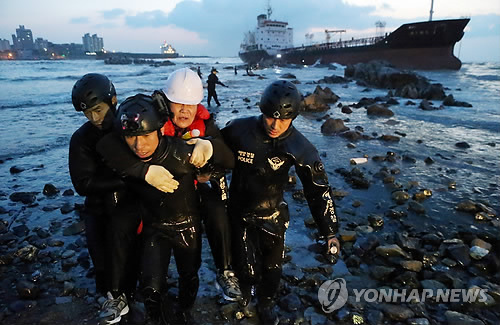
332, 31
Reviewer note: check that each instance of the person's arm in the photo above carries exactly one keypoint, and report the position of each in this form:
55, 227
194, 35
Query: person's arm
118, 156
83, 169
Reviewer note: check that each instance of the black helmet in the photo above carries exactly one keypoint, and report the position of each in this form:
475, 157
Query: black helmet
281, 100
139, 115
92, 89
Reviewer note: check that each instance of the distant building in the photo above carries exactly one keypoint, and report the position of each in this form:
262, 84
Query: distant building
92, 43
41, 45
23, 40
4, 45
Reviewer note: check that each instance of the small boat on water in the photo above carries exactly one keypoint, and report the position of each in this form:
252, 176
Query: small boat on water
424, 45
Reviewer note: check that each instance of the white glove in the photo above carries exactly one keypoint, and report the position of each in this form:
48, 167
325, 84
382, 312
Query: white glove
202, 152
161, 178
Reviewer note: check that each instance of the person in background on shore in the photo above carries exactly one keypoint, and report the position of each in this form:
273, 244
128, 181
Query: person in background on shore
267, 146
235, 70
212, 81
108, 212
171, 217
198, 71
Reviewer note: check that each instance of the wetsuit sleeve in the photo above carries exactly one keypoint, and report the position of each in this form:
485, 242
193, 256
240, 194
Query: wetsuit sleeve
318, 193
85, 169
118, 156
223, 155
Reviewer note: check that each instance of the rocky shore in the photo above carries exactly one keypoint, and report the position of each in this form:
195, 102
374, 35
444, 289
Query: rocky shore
390, 239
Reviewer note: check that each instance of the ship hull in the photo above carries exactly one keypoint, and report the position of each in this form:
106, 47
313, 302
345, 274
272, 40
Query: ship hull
255, 57
421, 45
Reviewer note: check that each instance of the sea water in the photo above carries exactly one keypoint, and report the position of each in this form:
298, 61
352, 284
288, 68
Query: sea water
37, 120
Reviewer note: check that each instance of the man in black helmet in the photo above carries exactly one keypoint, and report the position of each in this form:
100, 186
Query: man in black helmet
108, 212
266, 147
171, 216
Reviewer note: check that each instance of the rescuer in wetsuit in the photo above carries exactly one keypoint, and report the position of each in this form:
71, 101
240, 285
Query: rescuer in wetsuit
211, 82
171, 221
266, 147
108, 212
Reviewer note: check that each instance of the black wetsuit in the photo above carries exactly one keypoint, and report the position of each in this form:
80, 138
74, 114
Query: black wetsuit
107, 207
171, 220
257, 208
211, 82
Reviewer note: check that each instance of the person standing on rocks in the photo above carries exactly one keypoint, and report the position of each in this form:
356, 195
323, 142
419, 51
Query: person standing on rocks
212, 81
266, 147
109, 213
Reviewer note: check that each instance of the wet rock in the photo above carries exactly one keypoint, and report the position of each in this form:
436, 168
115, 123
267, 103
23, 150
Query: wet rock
21, 230
379, 110
346, 110
67, 254
68, 192
347, 235
68, 263
427, 106
68, 288
63, 300
288, 76
313, 317
477, 252
67, 208
391, 251
27, 290
290, 302
326, 94
462, 145
374, 317
55, 243
381, 273
407, 242
333, 126
74, 229
50, 190
3, 210
397, 312
429, 160
315, 103
400, 197
292, 273
395, 214
42, 233
416, 207
16, 170
27, 253
456, 318
460, 253
376, 221
417, 321
433, 285
412, 265
389, 138
24, 197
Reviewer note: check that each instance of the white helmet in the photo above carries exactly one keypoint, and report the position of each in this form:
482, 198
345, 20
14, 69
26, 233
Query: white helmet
184, 87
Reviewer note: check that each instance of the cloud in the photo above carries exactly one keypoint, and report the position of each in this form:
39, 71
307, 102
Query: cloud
156, 18
79, 20
113, 13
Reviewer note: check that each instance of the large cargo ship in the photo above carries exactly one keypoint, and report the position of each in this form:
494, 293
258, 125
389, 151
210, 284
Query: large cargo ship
425, 45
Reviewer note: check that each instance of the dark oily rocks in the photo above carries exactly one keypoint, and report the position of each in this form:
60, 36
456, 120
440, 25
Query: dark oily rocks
412, 265
416, 207
422, 195
460, 253
290, 302
389, 138
432, 285
326, 94
400, 197
391, 251
397, 312
16, 170
292, 273
333, 126
74, 229
380, 272
477, 252
462, 145
313, 317
21, 230
67, 208
27, 253
347, 235
27, 290
407, 242
456, 318
374, 317
315, 103
50, 190
379, 110
24, 197
375, 221
68, 192
417, 321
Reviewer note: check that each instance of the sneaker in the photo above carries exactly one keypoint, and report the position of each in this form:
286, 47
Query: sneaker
227, 282
113, 309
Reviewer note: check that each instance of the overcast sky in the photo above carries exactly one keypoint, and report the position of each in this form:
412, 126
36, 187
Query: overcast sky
216, 27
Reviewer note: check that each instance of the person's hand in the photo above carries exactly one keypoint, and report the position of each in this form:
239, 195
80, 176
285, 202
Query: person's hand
202, 152
161, 179
333, 249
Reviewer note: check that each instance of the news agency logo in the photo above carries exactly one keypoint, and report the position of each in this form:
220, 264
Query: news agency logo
332, 295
